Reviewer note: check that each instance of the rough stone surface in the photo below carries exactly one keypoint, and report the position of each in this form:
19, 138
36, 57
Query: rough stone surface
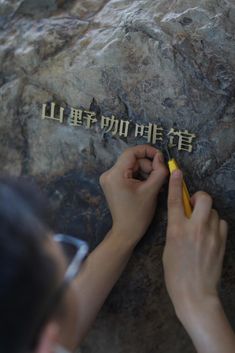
170, 62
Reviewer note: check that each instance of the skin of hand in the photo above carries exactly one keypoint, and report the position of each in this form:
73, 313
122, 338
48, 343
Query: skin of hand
132, 202
192, 261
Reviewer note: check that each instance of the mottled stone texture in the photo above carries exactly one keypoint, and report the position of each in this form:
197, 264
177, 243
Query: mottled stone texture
165, 61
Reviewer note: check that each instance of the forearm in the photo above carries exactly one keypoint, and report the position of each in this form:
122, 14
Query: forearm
102, 269
208, 327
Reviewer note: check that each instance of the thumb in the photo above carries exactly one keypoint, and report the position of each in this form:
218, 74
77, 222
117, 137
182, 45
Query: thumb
175, 198
158, 174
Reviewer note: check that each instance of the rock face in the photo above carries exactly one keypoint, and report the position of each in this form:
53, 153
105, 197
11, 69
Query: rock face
165, 62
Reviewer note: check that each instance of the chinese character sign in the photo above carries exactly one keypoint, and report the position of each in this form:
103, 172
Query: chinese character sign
183, 140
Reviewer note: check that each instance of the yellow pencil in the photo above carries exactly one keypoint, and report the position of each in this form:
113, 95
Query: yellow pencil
172, 164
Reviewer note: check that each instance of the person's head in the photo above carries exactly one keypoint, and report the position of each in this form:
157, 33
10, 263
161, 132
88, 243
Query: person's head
38, 311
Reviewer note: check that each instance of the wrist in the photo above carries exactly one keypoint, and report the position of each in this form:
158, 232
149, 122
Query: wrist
194, 309
122, 239
208, 326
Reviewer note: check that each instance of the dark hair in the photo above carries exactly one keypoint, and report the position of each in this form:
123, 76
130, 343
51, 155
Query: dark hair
28, 275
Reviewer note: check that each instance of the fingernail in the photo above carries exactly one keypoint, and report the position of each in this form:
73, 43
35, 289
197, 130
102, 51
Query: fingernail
160, 157
177, 174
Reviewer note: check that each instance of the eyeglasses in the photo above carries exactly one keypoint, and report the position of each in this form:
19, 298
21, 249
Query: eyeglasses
75, 251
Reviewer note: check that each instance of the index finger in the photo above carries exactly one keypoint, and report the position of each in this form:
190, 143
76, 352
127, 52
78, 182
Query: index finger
175, 198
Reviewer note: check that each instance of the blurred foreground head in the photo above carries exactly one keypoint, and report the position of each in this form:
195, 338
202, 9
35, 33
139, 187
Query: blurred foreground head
28, 273
38, 307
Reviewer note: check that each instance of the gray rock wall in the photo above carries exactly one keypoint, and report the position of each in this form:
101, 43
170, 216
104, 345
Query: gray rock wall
165, 62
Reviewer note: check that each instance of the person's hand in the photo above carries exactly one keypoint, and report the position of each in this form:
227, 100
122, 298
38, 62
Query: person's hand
194, 251
132, 202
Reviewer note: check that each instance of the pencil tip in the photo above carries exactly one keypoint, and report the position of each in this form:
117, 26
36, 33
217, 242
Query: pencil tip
168, 153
